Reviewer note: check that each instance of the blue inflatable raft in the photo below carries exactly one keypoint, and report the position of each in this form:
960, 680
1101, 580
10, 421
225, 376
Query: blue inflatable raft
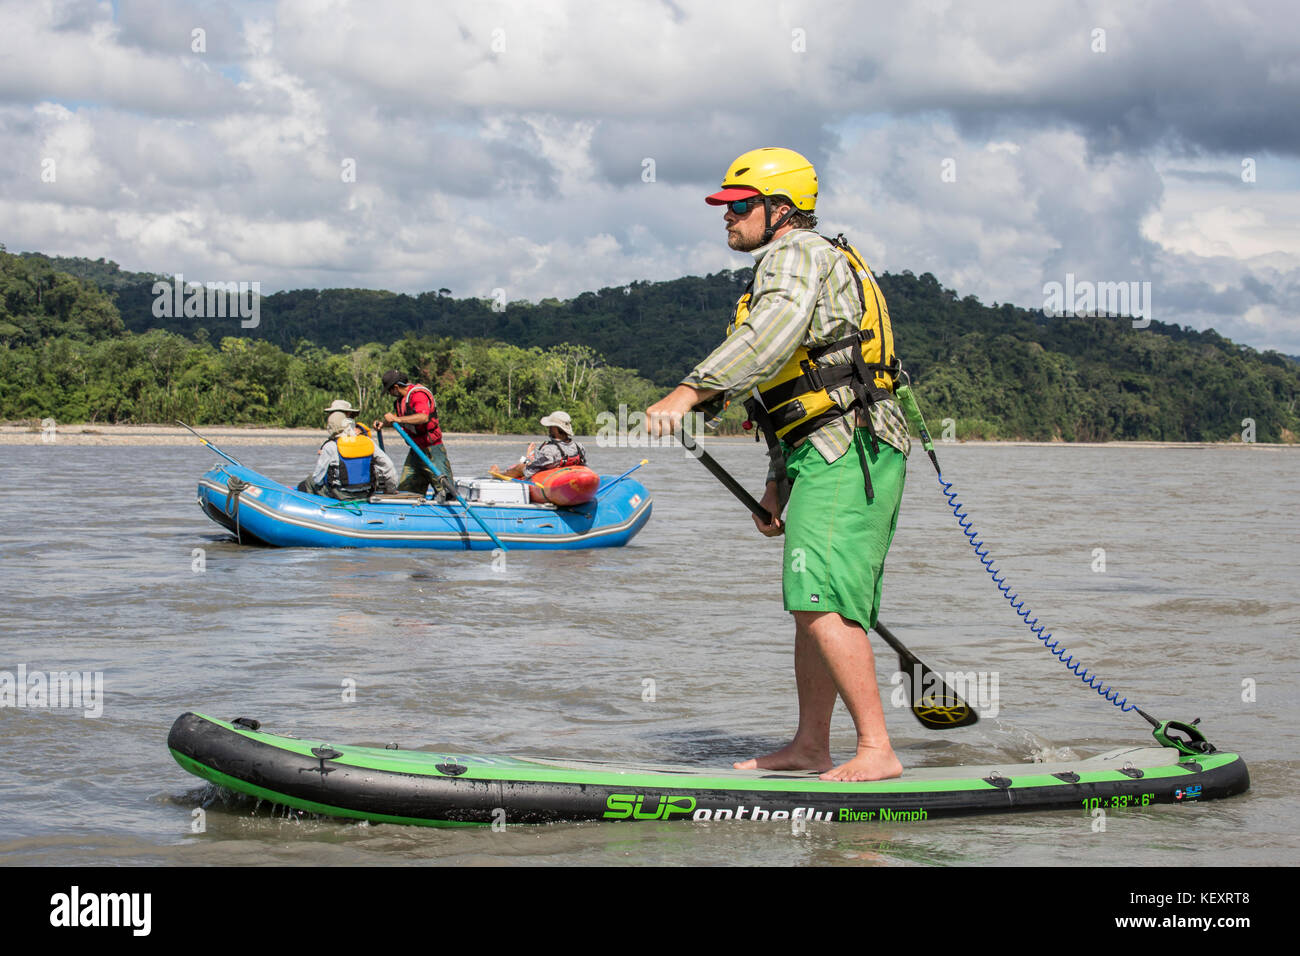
258, 510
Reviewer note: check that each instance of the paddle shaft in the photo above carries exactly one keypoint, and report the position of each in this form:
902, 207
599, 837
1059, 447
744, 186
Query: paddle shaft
906, 657
437, 474
228, 458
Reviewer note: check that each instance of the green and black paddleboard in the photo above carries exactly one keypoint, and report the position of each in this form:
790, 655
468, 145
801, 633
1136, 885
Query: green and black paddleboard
441, 789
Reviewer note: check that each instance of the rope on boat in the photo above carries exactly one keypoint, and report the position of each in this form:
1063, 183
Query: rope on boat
233, 488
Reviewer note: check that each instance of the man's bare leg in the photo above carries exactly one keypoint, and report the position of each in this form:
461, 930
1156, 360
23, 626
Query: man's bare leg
846, 650
811, 747
833, 656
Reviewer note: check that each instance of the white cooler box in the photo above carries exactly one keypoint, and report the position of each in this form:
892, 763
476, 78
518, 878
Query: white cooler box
492, 491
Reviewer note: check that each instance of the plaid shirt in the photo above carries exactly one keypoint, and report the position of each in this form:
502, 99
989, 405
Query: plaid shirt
803, 293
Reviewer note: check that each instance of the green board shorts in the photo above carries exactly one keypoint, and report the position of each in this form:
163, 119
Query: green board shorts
836, 539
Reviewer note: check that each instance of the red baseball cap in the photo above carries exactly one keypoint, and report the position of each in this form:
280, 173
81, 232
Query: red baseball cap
730, 194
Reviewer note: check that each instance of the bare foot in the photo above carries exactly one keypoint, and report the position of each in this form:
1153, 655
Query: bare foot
869, 764
790, 757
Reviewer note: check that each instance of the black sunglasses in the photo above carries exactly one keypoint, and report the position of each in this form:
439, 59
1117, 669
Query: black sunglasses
741, 206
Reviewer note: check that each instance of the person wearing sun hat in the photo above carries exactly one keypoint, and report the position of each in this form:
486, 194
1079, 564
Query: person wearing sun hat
810, 351
348, 465
558, 451
347, 408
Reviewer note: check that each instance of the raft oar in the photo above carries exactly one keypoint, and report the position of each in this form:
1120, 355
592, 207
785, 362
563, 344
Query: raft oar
602, 490
941, 709
437, 474
209, 444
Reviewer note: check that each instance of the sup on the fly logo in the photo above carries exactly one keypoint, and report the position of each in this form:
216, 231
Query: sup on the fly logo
632, 806
1188, 793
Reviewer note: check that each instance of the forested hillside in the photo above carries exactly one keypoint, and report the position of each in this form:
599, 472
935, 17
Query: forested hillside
998, 371
65, 354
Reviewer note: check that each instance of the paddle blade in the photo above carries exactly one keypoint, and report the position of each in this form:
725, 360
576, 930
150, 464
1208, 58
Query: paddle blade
933, 702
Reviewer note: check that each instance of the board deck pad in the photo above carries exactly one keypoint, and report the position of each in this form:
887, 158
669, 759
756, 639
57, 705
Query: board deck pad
435, 788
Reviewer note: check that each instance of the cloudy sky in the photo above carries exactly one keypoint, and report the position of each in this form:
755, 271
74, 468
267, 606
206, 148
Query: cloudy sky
547, 148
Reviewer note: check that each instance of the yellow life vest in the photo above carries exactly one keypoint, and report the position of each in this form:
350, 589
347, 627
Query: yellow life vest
354, 473
355, 446
797, 400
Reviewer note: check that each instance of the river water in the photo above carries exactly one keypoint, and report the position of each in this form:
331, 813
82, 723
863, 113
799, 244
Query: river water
673, 649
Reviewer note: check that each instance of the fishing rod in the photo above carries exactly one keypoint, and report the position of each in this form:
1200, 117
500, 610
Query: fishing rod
942, 708
449, 486
228, 458
601, 491
502, 476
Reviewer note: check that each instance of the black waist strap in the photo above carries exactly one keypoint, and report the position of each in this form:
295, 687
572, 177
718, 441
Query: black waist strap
816, 378
813, 379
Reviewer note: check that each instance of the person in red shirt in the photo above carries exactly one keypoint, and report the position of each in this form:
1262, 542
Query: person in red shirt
416, 412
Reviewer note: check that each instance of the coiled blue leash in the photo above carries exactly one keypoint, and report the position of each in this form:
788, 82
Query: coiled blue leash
908, 401
982, 552
1183, 737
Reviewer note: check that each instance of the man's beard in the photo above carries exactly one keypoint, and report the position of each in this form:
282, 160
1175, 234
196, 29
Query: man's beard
738, 242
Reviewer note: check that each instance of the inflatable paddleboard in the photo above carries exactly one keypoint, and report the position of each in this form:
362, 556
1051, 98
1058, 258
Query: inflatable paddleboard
565, 487
444, 789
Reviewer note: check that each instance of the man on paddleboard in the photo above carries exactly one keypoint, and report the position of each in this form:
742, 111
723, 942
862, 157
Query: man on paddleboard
811, 339
559, 450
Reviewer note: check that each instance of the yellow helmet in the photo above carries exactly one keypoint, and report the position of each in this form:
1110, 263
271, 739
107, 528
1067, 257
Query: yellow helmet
769, 171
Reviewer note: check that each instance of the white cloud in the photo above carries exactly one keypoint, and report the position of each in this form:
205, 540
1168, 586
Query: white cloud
502, 144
